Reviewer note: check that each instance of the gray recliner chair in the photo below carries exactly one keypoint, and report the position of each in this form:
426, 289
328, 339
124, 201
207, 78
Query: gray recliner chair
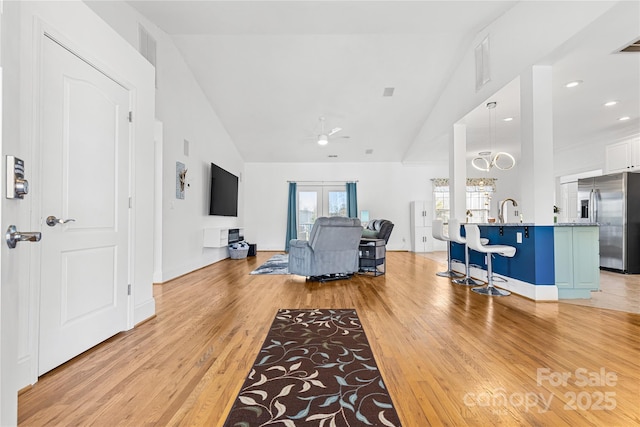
331, 251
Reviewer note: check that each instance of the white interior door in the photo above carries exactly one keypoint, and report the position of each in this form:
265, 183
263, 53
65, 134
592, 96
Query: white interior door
84, 151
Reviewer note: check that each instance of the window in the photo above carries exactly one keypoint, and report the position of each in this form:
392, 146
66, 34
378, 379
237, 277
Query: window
478, 198
441, 199
478, 201
318, 201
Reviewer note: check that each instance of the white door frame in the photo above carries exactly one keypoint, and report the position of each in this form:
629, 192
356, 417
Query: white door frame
157, 230
8, 304
10, 213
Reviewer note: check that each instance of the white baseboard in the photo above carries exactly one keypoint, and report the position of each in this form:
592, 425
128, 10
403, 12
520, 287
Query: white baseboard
26, 372
167, 275
528, 290
143, 311
157, 276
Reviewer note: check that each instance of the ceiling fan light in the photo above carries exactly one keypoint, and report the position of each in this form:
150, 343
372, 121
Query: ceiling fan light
323, 140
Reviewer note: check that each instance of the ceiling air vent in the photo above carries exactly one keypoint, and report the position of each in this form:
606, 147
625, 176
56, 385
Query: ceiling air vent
147, 47
388, 91
483, 69
633, 47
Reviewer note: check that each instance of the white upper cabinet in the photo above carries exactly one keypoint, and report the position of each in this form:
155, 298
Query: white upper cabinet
623, 156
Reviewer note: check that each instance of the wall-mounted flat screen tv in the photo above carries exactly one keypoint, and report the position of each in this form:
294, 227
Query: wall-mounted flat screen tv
223, 200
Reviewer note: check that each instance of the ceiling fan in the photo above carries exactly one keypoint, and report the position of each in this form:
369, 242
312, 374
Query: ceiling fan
324, 136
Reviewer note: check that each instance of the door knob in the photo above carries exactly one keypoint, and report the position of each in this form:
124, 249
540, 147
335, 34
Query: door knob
14, 236
52, 221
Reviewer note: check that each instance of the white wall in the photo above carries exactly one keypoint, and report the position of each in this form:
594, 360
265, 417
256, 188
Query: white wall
384, 189
185, 113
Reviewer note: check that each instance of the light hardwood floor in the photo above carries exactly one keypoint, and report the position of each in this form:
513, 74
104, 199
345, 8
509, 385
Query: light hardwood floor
617, 291
448, 355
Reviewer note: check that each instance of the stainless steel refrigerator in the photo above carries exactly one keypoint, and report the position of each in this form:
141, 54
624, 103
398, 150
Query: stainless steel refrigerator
613, 202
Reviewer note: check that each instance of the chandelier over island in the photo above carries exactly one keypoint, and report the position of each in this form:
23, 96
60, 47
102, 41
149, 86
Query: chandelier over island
487, 160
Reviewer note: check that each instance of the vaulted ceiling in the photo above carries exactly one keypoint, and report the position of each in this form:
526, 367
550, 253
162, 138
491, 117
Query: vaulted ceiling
272, 69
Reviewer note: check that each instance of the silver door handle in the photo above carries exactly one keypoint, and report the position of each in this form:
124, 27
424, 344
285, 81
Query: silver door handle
52, 221
13, 236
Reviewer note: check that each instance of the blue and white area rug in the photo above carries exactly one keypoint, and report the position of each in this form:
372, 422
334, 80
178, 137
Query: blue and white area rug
277, 264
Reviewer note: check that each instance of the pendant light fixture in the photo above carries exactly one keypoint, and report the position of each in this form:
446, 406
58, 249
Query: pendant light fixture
487, 160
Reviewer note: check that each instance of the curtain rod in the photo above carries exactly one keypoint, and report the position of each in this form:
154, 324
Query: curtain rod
323, 182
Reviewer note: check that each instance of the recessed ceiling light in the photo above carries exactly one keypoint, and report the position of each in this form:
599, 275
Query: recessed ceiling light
507, 119
622, 119
388, 91
610, 103
573, 83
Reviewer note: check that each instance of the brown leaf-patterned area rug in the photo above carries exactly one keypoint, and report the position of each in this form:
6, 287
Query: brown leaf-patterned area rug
315, 368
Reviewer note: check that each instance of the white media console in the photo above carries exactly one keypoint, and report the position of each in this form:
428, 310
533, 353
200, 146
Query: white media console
219, 237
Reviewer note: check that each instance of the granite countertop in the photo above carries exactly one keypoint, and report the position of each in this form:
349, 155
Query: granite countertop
531, 224
508, 224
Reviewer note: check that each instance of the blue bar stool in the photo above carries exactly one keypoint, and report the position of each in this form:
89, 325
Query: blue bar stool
437, 231
455, 236
473, 240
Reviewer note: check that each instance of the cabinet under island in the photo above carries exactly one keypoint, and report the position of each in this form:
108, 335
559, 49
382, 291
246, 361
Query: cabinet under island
551, 262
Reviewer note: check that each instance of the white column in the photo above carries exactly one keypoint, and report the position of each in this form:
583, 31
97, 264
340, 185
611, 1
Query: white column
536, 164
458, 172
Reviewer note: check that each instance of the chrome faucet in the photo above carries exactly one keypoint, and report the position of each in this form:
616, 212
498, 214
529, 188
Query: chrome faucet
502, 213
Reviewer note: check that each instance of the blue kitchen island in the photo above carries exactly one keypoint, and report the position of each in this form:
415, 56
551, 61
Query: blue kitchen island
548, 262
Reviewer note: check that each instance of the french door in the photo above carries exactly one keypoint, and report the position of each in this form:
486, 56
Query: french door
318, 201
